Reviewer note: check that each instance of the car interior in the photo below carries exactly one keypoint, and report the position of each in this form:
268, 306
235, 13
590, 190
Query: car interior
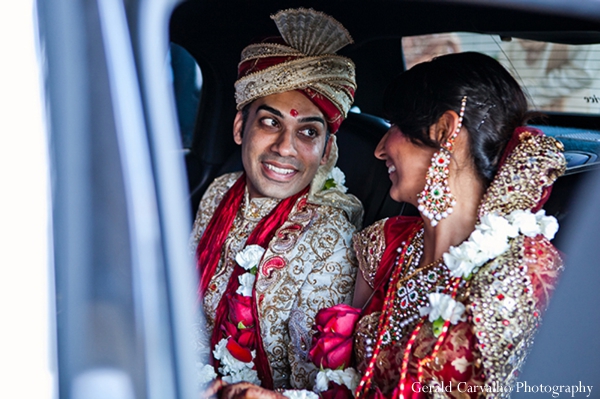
213, 34
124, 189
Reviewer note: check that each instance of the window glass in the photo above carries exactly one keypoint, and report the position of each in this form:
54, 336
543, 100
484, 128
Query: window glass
556, 77
187, 86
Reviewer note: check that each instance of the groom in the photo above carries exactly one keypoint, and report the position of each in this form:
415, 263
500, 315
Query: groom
273, 243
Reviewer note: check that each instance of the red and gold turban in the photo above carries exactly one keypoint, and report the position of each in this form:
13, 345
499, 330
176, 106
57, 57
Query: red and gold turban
305, 61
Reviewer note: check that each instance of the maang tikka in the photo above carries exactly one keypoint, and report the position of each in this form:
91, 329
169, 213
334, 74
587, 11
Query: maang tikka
436, 201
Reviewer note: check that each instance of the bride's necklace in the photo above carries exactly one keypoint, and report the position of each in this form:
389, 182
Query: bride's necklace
406, 293
410, 288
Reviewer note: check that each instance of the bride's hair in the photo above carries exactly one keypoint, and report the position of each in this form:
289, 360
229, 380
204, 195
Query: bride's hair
495, 107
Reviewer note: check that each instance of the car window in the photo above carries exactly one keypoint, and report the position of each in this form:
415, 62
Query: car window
187, 86
556, 77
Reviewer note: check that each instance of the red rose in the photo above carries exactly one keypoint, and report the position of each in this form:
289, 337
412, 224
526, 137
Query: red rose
331, 351
332, 343
239, 352
240, 310
246, 338
339, 319
336, 391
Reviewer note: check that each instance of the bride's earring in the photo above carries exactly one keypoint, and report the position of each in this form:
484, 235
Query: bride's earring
436, 201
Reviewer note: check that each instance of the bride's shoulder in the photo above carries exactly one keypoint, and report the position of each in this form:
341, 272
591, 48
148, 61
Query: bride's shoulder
387, 227
371, 242
369, 245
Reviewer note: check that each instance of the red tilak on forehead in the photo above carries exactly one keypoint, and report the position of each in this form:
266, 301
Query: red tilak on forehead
294, 113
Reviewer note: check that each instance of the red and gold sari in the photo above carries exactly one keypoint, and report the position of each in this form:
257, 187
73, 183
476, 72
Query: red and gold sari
481, 355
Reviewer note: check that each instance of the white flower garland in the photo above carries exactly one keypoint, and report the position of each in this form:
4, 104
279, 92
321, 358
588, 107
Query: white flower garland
206, 373
335, 178
348, 377
232, 369
444, 306
248, 259
489, 240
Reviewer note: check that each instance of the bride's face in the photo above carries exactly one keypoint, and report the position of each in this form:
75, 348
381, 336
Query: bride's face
407, 164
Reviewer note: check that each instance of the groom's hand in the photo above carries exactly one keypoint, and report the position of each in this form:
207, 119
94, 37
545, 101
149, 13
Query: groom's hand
245, 390
211, 392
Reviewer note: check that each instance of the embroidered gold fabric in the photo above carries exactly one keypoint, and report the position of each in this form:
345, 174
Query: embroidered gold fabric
308, 265
369, 245
505, 308
504, 303
312, 39
265, 50
411, 295
505, 291
533, 165
364, 336
319, 272
209, 202
310, 31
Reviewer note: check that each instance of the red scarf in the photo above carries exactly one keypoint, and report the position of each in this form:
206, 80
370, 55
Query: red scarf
209, 252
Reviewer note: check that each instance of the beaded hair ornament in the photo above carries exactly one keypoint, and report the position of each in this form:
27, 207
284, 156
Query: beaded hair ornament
436, 201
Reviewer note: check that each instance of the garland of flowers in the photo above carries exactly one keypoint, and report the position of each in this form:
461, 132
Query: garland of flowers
489, 240
236, 356
299, 394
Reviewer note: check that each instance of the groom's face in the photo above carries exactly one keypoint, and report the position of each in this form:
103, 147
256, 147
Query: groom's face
283, 144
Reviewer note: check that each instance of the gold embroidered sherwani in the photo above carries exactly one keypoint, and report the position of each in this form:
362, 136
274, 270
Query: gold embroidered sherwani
309, 265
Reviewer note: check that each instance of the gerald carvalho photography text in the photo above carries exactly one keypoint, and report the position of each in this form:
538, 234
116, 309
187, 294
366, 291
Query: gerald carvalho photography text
555, 390
522, 386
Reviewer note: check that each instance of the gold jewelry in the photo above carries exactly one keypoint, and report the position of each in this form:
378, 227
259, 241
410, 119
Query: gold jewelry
418, 270
436, 201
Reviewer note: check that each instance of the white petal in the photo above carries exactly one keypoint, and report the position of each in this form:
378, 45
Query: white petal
250, 256
299, 394
245, 374
526, 222
206, 373
338, 176
322, 381
548, 226
457, 313
246, 284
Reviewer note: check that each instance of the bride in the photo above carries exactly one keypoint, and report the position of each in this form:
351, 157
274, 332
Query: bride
451, 299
